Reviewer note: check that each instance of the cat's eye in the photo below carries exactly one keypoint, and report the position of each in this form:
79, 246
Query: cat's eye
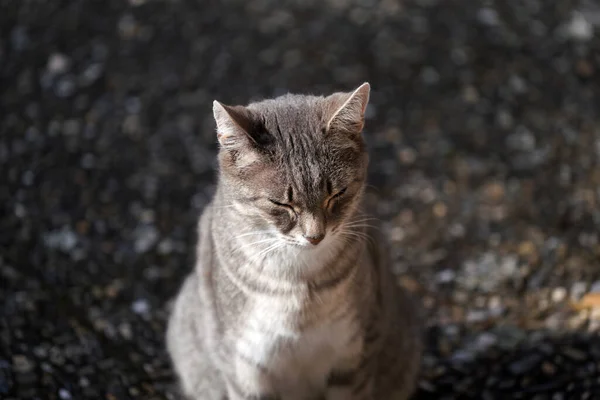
340, 193
332, 199
281, 204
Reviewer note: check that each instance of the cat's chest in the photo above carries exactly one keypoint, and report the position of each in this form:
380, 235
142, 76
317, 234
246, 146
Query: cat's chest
275, 337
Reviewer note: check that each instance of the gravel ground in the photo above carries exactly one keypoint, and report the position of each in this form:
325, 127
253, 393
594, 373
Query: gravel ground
485, 132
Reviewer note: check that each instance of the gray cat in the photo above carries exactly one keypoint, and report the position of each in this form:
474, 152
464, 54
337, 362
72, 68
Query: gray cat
292, 297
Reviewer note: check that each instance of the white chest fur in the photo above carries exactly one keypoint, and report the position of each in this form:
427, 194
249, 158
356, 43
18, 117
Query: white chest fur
297, 361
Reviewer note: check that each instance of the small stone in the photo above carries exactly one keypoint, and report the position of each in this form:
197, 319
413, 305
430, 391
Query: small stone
521, 140
91, 74
462, 356
595, 314
440, 210
525, 364
409, 283
132, 124
397, 234
460, 297
574, 354
127, 26
505, 119
526, 248
58, 63
584, 68
548, 368
88, 161
579, 28
494, 191
125, 330
65, 87
71, 127
28, 178
509, 265
140, 306
488, 16
64, 394
474, 316
426, 386
578, 289
495, 306
554, 322
518, 84
485, 340
430, 76
457, 230
579, 320
459, 56
509, 336
559, 294
19, 38
64, 239
446, 276
595, 288
21, 364
407, 156
470, 95
146, 236
165, 246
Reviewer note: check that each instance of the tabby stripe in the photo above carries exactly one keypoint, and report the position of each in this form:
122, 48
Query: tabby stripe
341, 378
365, 362
361, 384
264, 397
334, 281
317, 318
359, 334
371, 334
343, 313
251, 287
248, 360
239, 392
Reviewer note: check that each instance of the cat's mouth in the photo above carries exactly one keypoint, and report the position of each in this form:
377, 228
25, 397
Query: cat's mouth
307, 244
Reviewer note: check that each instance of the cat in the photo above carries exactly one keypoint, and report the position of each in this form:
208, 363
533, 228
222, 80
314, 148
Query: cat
292, 297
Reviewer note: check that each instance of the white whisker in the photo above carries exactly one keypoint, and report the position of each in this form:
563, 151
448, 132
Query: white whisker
268, 240
252, 233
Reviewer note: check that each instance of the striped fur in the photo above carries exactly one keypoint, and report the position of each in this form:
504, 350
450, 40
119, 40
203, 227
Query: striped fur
268, 315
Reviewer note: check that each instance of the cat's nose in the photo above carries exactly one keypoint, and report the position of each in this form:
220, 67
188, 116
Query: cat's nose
315, 239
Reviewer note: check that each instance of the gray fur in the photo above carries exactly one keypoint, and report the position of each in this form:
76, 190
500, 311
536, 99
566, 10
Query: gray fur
291, 297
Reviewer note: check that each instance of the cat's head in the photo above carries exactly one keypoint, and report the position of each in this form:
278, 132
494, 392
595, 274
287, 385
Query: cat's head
295, 165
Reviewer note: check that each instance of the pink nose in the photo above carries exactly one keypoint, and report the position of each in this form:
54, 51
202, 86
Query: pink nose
314, 240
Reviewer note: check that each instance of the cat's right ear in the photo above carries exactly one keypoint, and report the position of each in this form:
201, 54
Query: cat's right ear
234, 125
346, 111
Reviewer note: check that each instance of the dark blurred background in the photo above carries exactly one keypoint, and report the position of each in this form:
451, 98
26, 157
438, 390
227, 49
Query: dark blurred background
484, 128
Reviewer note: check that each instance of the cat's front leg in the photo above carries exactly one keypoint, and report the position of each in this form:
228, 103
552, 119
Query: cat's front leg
350, 378
350, 385
250, 381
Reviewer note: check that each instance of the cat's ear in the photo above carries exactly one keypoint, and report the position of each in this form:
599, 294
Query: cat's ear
346, 111
234, 125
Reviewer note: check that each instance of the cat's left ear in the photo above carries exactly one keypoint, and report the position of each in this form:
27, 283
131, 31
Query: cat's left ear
347, 110
234, 125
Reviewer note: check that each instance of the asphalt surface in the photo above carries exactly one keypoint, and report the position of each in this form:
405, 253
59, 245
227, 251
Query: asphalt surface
484, 128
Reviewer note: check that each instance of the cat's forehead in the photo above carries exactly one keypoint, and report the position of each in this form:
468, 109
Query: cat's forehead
289, 109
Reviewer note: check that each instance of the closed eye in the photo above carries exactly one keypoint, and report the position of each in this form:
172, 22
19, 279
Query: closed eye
280, 204
340, 193
335, 197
